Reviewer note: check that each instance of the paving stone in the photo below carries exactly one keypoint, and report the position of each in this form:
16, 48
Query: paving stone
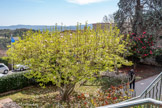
8, 103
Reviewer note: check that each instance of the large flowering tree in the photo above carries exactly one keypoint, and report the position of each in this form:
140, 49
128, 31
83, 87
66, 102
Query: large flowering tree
68, 58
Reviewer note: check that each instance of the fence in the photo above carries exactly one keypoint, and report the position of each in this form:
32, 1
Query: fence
140, 103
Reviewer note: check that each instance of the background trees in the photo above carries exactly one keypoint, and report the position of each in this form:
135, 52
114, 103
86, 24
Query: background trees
68, 58
108, 18
143, 15
5, 36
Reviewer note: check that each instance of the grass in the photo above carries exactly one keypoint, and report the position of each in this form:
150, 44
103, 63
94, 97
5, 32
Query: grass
36, 96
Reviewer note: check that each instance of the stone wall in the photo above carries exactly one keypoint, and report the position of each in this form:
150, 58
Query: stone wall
8, 103
159, 40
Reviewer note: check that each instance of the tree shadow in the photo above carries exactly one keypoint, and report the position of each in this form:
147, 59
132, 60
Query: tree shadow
37, 101
106, 82
37, 90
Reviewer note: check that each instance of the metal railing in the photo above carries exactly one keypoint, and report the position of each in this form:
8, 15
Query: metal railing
154, 91
140, 103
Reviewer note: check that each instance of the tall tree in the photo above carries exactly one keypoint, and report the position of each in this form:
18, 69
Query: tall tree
108, 19
65, 59
143, 15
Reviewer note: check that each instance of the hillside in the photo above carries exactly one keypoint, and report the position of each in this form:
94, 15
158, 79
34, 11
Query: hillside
41, 27
5, 36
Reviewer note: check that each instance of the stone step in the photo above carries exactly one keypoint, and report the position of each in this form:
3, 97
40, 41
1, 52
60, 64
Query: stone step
8, 103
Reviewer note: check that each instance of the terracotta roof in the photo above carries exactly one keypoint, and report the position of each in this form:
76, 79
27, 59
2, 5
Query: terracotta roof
16, 38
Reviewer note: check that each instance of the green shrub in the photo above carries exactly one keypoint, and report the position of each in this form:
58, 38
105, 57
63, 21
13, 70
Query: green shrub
4, 60
4, 43
14, 81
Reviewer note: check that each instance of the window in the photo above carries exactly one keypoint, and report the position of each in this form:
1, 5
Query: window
1, 66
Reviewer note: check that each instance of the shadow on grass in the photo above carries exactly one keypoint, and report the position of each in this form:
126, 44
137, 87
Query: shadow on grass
37, 90
106, 82
37, 97
41, 98
37, 101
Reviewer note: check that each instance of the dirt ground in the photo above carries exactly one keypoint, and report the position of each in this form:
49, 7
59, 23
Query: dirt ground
143, 71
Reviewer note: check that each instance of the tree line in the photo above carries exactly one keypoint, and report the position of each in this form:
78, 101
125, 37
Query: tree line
5, 36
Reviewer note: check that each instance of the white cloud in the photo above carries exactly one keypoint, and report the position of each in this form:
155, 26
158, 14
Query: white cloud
82, 2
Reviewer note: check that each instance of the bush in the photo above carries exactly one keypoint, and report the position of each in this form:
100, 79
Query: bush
142, 45
4, 43
4, 60
107, 82
14, 81
159, 59
114, 94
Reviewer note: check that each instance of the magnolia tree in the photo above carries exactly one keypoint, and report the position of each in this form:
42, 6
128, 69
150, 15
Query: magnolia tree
68, 58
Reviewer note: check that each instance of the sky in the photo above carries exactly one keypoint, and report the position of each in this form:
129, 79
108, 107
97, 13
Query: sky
50, 12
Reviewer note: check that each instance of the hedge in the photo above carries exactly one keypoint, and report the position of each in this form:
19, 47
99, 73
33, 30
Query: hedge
14, 81
159, 59
4, 60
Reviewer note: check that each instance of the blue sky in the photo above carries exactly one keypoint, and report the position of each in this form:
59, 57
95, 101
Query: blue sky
49, 12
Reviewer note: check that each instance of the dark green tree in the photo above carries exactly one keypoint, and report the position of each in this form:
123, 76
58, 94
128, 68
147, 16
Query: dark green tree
143, 15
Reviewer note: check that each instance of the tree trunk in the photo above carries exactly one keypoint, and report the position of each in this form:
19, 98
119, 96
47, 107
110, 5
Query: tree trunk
137, 26
116, 67
65, 97
66, 91
135, 65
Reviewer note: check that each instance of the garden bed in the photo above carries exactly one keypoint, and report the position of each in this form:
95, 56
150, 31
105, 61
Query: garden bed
36, 96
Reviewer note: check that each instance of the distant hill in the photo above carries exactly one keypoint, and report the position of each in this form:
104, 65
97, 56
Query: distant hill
41, 27
18, 31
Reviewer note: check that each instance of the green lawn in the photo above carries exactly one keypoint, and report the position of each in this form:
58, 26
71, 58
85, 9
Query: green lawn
36, 96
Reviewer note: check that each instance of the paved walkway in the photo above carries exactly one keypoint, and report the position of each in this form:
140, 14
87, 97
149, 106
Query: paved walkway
141, 85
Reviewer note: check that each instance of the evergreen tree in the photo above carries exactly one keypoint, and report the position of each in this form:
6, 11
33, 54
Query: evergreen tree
143, 15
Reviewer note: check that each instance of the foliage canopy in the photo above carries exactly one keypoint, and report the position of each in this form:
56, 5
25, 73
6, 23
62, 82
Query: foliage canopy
67, 58
142, 15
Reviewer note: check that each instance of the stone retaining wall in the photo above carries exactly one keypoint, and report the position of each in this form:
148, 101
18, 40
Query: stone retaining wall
8, 103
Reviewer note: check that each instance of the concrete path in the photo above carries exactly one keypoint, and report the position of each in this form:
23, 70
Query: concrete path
141, 85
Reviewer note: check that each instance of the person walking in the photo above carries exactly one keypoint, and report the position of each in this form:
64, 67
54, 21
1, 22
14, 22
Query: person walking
131, 78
